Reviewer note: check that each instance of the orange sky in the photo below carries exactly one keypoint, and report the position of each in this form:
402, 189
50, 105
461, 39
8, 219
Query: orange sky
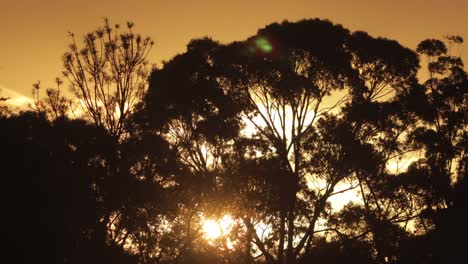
34, 32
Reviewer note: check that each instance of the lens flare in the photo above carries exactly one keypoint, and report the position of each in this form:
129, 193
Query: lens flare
264, 45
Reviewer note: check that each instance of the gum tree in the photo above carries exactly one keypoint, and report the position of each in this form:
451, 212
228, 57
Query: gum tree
108, 73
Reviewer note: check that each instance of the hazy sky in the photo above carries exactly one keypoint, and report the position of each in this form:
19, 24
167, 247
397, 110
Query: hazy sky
34, 32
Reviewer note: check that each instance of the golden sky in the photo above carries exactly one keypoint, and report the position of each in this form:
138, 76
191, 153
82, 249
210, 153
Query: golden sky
34, 32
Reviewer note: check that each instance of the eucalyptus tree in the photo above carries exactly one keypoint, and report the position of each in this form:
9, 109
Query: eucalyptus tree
55, 105
441, 107
54, 175
294, 85
108, 74
379, 118
423, 126
270, 128
277, 82
199, 119
443, 113
284, 74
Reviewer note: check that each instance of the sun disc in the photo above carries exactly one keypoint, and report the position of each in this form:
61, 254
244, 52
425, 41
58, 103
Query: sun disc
211, 229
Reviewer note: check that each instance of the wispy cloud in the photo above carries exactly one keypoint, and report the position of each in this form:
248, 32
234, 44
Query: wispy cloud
15, 99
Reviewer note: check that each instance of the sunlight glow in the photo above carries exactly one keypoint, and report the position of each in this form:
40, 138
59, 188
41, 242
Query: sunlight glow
215, 229
212, 229
15, 99
400, 164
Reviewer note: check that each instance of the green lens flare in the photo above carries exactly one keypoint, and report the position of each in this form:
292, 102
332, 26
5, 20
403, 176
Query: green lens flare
264, 45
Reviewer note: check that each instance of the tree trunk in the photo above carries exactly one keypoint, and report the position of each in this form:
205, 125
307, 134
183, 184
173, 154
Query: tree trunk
290, 258
248, 241
282, 234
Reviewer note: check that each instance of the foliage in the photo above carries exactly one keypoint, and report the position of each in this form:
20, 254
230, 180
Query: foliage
107, 76
268, 132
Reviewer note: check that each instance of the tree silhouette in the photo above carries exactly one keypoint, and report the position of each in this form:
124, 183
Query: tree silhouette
266, 132
200, 126
284, 96
53, 173
380, 122
442, 111
108, 75
280, 90
55, 105
3, 108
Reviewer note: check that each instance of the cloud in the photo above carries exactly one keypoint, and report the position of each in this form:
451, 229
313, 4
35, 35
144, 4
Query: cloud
15, 99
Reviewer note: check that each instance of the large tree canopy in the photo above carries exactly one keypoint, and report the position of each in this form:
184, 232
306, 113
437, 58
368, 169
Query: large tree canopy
326, 106
304, 143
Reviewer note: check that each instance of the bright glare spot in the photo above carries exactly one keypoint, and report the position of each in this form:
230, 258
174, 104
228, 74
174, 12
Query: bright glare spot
214, 229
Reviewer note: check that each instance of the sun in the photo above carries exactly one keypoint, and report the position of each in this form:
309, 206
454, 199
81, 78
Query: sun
214, 229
